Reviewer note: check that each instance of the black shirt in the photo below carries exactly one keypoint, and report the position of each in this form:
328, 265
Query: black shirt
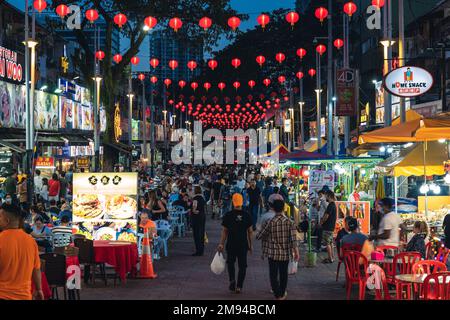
216, 189
200, 207
330, 224
237, 223
446, 225
254, 196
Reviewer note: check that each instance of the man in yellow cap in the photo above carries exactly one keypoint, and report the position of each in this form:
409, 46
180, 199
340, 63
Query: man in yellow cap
237, 232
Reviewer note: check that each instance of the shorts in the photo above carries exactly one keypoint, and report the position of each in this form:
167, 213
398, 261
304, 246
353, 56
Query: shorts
327, 238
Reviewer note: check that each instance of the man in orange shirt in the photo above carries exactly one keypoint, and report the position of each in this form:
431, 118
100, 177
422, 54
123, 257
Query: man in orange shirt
19, 258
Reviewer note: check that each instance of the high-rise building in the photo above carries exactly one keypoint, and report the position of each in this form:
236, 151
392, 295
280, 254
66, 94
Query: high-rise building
165, 47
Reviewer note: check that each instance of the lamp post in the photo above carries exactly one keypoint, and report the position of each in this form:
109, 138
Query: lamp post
318, 126
152, 133
165, 135
335, 128
330, 79
387, 44
292, 119
130, 96
144, 121
98, 81
302, 125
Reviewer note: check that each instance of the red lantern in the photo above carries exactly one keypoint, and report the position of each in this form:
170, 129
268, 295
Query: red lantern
299, 75
338, 43
280, 57
378, 3
117, 58
350, 8
221, 86
207, 86
167, 82
266, 82
301, 53
321, 49
236, 84
173, 64
236, 63
62, 10
292, 18
192, 65
154, 63
153, 79
141, 76
260, 60
263, 20
234, 23
100, 55
120, 19
150, 22
321, 13
135, 60
312, 72
205, 23
212, 64
252, 84
40, 5
92, 15
194, 85
182, 83
281, 79
175, 24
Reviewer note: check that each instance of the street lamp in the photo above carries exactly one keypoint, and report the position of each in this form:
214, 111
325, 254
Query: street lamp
387, 43
302, 128
98, 81
165, 135
318, 126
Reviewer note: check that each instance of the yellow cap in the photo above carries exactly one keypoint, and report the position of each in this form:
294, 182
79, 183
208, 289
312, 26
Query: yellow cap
237, 200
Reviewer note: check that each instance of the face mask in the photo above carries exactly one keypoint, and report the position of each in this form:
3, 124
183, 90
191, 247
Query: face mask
8, 200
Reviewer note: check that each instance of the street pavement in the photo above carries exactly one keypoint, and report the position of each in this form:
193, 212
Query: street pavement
183, 277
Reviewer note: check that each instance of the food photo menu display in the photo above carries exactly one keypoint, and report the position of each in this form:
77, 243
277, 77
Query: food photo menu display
105, 205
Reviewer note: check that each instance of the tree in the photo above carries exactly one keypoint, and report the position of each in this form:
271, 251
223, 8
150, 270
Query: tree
190, 11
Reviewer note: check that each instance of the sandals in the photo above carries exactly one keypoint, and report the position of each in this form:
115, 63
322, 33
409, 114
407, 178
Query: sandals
327, 260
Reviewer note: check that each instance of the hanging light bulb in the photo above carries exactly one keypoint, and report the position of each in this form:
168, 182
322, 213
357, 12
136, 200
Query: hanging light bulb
382, 149
424, 188
390, 150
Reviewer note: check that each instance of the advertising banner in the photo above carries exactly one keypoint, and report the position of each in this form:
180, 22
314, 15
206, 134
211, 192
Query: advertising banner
395, 103
105, 205
83, 162
44, 162
46, 111
65, 113
320, 178
346, 87
12, 105
359, 210
88, 122
408, 81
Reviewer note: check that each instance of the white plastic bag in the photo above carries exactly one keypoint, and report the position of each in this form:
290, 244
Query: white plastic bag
218, 264
292, 267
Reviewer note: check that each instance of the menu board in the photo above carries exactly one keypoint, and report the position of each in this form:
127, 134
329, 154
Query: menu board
12, 105
358, 209
65, 113
320, 178
88, 122
105, 205
46, 111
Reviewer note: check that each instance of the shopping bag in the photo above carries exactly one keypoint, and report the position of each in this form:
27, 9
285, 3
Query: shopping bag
206, 238
218, 264
292, 267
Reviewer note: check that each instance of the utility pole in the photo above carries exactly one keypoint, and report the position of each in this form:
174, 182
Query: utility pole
301, 103
330, 80
152, 133
346, 66
130, 116
401, 51
28, 110
144, 121
319, 105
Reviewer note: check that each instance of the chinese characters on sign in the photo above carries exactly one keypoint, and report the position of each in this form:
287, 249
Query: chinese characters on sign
44, 162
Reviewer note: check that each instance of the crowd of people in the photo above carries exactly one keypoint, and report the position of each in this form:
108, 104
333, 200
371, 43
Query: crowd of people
248, 204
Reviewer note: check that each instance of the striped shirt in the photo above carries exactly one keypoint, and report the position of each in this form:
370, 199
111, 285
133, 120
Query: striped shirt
279, 237
62, 236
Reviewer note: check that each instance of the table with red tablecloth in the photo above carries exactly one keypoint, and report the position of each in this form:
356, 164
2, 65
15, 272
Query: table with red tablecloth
123, 256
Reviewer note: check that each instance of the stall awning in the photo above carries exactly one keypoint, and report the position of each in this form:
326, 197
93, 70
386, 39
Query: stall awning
312, 145
281, 148
416, 161
12, 146
403, 132
303, 155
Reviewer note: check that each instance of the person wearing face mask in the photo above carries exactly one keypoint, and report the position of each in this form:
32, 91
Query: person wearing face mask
8, 199
322, 207
390, 225
10, 186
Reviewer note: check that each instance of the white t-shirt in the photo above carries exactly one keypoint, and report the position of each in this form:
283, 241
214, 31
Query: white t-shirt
37, 184
390, 221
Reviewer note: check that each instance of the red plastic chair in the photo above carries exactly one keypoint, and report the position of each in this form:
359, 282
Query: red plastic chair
346, 247
427, 267
428, 252
403, 264
442, 255
356, 272
377, 280
437, 286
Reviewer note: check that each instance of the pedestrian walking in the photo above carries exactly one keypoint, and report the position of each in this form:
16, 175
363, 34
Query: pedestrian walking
198, 221
281, 239
237, 232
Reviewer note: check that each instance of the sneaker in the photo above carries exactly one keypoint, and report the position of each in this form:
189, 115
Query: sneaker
238, 290
232, 286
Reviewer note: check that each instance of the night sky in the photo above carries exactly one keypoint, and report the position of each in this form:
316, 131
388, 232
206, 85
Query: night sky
251, 7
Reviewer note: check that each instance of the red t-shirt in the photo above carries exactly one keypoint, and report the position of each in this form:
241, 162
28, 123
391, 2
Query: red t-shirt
53, 188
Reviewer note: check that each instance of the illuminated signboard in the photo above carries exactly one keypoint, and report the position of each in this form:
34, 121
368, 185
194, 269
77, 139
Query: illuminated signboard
408, 81
10, 69
44, 162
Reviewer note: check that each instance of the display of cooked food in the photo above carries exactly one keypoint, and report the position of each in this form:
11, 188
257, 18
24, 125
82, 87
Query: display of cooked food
121, 207
127, 236
89, 206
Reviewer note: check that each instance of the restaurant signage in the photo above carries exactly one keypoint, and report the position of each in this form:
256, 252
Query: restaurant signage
287, 125
46, 162
346, 87
83, 162
408, 81
320, 178
105, 205
10, 68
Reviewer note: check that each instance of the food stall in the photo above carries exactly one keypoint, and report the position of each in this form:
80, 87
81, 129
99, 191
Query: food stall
46, 165
105, 205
